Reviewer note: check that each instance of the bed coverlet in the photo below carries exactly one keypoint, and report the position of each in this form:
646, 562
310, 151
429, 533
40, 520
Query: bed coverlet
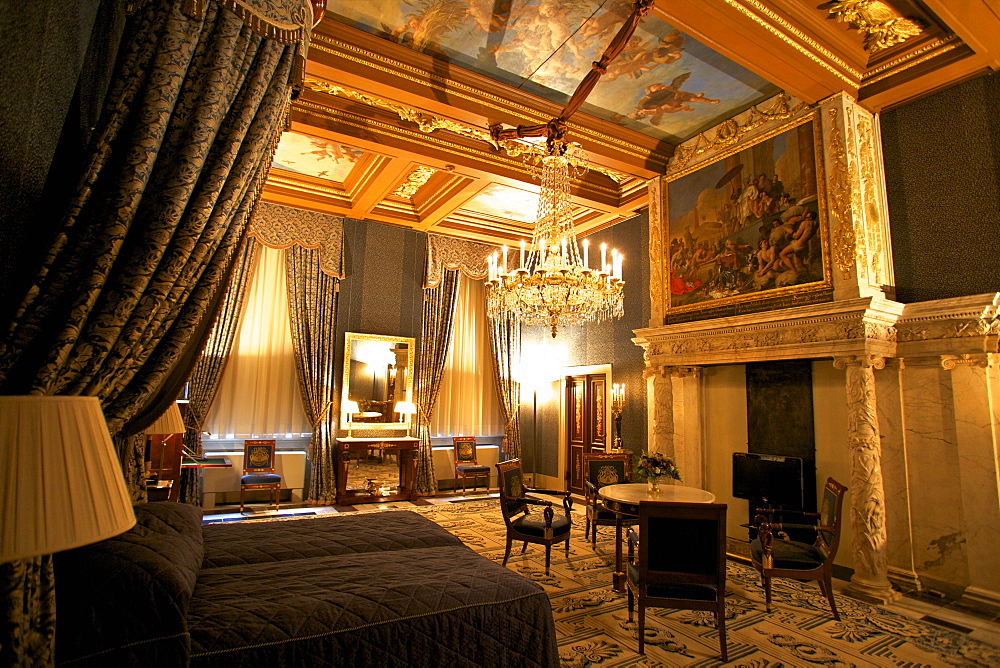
233, 543
417, 607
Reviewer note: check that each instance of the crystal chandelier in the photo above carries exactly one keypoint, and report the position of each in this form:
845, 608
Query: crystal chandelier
552, 284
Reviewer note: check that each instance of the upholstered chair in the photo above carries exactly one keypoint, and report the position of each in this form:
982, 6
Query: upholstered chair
600, 469
544, 528
466, 463
258, 469
794, 559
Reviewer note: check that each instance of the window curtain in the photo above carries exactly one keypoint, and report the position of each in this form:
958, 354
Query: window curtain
312, 311
207, 373
467, 402
123, 296
259, 392
435, 338
505, 344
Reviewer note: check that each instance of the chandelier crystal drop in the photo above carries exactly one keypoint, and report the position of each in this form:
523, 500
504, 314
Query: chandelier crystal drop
553, 284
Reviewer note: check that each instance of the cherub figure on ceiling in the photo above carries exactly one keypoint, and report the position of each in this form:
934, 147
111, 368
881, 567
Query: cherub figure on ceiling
639, 56
663, 99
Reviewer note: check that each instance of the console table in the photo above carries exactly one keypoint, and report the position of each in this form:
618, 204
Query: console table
405, 449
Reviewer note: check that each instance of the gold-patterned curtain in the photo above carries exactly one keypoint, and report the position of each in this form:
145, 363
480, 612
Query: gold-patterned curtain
435, 338
312, 312
123, 295
505, 342
207, 373
281, 227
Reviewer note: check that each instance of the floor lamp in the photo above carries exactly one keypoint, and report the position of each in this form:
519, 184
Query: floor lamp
61, 486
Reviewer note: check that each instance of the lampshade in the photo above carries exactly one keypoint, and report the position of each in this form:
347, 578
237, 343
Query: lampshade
61, 484
406, 407
350, 407
170, 422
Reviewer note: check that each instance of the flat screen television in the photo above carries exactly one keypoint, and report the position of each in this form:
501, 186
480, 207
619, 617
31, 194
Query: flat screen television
775, 478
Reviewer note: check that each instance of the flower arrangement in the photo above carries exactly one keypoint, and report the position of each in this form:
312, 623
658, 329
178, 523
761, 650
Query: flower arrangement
654, 466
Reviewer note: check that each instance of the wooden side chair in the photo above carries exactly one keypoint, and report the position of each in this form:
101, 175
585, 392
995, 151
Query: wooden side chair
793, 559
258, 469
467, 465
545, 528
678, 560
600, 469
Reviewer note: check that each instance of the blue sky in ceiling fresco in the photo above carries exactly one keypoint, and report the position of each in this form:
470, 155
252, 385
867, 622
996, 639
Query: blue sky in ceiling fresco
665, 84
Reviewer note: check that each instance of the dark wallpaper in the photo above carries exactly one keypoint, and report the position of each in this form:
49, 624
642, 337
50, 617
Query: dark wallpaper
942, 164
604, 343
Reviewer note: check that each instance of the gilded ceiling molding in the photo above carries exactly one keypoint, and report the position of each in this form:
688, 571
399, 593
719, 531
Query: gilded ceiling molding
852, 76
417, 178
881, 25
426, 122
367, 124
474, 95
910, 59
731, 132
278, 226
469, 257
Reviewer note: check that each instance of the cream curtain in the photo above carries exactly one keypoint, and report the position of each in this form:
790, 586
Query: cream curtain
259, 394
467, 401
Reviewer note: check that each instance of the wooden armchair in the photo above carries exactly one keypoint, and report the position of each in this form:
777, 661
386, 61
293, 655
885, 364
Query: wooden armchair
678, 560
793, 559
600, 469
515, 504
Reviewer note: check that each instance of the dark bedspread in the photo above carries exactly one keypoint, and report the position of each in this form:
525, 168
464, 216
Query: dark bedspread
380, 589
229, 544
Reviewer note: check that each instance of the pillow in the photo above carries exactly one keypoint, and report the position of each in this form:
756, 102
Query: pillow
124, 600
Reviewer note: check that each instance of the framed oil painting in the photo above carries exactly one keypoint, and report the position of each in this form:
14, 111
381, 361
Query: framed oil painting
747, 232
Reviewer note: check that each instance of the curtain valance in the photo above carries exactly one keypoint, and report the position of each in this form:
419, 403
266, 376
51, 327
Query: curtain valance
469, 257
278, 226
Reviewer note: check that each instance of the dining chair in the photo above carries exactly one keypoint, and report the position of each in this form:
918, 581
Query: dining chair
600, 469
467, 465
677, 559
798, 560
515, 504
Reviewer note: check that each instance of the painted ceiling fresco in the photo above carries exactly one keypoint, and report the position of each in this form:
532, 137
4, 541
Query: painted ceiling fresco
315, 157
505, 202
665, 84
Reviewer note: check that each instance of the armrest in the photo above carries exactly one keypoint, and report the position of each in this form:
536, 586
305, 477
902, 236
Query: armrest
780, 511
567, 500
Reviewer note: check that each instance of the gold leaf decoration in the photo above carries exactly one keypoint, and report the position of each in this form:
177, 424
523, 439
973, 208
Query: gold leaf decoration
881, 24
417, 178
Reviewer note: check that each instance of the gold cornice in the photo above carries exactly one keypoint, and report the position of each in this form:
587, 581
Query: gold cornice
910, 60
413, 74
498, 159
785, 33
275, 177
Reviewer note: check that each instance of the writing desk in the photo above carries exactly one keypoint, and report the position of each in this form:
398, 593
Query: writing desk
624, 499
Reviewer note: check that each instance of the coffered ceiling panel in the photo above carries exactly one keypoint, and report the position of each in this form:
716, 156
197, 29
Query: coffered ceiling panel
392, 123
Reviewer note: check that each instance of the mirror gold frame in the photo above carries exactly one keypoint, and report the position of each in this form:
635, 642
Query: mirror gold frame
384, 390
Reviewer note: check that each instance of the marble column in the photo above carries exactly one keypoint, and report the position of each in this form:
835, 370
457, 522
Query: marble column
689, 451
870, 580
661, 393
975, 387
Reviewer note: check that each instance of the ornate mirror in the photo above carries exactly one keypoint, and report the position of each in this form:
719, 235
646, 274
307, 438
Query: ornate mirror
378, 375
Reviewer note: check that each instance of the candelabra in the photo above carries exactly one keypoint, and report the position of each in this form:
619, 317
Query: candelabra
617, 404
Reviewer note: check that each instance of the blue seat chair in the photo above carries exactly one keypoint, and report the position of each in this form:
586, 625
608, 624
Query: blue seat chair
600, 469
258, 469
545, 528
467, 465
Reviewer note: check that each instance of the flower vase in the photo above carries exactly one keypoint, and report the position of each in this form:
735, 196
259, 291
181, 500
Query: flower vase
654, 485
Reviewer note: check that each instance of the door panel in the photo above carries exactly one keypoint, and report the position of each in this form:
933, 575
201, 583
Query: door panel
586, 419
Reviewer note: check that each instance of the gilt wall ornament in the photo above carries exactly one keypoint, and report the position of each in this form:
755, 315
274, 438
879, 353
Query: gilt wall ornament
844, 237
881, 25
417, 178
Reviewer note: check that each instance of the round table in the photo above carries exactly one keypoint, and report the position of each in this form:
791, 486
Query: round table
624, 499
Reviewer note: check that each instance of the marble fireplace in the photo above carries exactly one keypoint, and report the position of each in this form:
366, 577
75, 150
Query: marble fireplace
906, 396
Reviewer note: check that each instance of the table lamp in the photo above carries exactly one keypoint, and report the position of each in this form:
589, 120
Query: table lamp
61, 484
350, 408
406, 408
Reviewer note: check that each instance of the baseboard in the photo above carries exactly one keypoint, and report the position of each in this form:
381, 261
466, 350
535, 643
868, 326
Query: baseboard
983, 600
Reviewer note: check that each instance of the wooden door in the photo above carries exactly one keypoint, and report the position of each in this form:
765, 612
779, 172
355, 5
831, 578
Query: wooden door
586, 420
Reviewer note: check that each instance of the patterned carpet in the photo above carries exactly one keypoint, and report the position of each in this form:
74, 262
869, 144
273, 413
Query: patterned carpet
593, 628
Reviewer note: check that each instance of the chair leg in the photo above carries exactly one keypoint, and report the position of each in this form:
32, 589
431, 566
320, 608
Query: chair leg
720, 616
767, 593
524, 548
586, 528
567, 545
548, 557
828, 590
642, 625
593, 536
277, 497
243, 493
506, 554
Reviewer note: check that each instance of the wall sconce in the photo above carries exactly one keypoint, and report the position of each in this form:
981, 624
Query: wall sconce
617, 404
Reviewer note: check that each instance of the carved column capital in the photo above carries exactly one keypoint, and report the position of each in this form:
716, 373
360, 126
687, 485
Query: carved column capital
950, 362
863, 361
